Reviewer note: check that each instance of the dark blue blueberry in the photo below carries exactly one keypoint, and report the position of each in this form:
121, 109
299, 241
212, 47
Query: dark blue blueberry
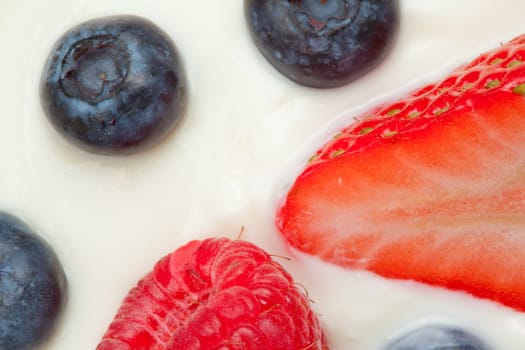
438, 338
114, 85
32, 286
323, 43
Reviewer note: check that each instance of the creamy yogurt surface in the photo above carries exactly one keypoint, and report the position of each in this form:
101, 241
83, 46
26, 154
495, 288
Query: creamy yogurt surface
246, 133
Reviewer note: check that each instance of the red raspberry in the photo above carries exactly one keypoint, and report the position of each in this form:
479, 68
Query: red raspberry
215, 294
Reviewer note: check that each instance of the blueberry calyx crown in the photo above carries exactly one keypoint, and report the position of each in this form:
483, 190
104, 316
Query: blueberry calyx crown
94, 69
323, 17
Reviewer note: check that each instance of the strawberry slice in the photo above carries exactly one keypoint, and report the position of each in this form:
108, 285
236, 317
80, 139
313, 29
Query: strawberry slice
429, 188
215, 294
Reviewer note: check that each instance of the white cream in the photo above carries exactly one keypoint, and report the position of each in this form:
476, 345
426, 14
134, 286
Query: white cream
110, 219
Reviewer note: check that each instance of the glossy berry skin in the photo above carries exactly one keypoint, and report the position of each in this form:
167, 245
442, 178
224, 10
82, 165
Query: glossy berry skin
32, 286
438, 337
114, 85
215, 294
323, 43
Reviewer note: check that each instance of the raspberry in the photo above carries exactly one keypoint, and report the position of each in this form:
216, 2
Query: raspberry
215, 294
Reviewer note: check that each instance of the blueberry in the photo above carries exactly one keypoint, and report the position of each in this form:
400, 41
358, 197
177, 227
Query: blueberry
438, 338
32, 286
323, 43
114, 85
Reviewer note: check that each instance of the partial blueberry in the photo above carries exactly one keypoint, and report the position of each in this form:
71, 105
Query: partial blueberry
323, 43
438, 338
114, 85
32, 286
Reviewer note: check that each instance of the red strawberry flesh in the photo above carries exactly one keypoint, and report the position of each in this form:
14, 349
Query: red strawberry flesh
215, 294
430, 188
